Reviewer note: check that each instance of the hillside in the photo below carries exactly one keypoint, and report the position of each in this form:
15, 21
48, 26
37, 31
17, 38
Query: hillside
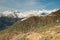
34, 28
8, 18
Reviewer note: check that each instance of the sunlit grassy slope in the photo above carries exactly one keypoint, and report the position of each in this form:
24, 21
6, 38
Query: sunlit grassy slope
34, 28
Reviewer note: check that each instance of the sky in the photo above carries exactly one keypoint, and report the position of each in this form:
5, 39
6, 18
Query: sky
25, 5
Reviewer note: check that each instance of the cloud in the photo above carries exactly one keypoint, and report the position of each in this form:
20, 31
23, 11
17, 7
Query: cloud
20, 4
25, 4
3, 8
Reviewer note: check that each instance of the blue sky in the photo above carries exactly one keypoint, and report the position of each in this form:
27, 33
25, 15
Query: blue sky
25, 5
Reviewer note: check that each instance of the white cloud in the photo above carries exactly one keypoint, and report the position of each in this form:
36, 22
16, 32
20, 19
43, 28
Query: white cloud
23, 4
3, 8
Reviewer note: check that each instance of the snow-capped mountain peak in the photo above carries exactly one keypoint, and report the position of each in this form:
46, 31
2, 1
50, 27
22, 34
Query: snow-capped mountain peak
27, 14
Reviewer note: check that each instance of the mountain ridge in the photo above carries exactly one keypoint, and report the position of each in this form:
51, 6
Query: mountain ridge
15, 13
8, 18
